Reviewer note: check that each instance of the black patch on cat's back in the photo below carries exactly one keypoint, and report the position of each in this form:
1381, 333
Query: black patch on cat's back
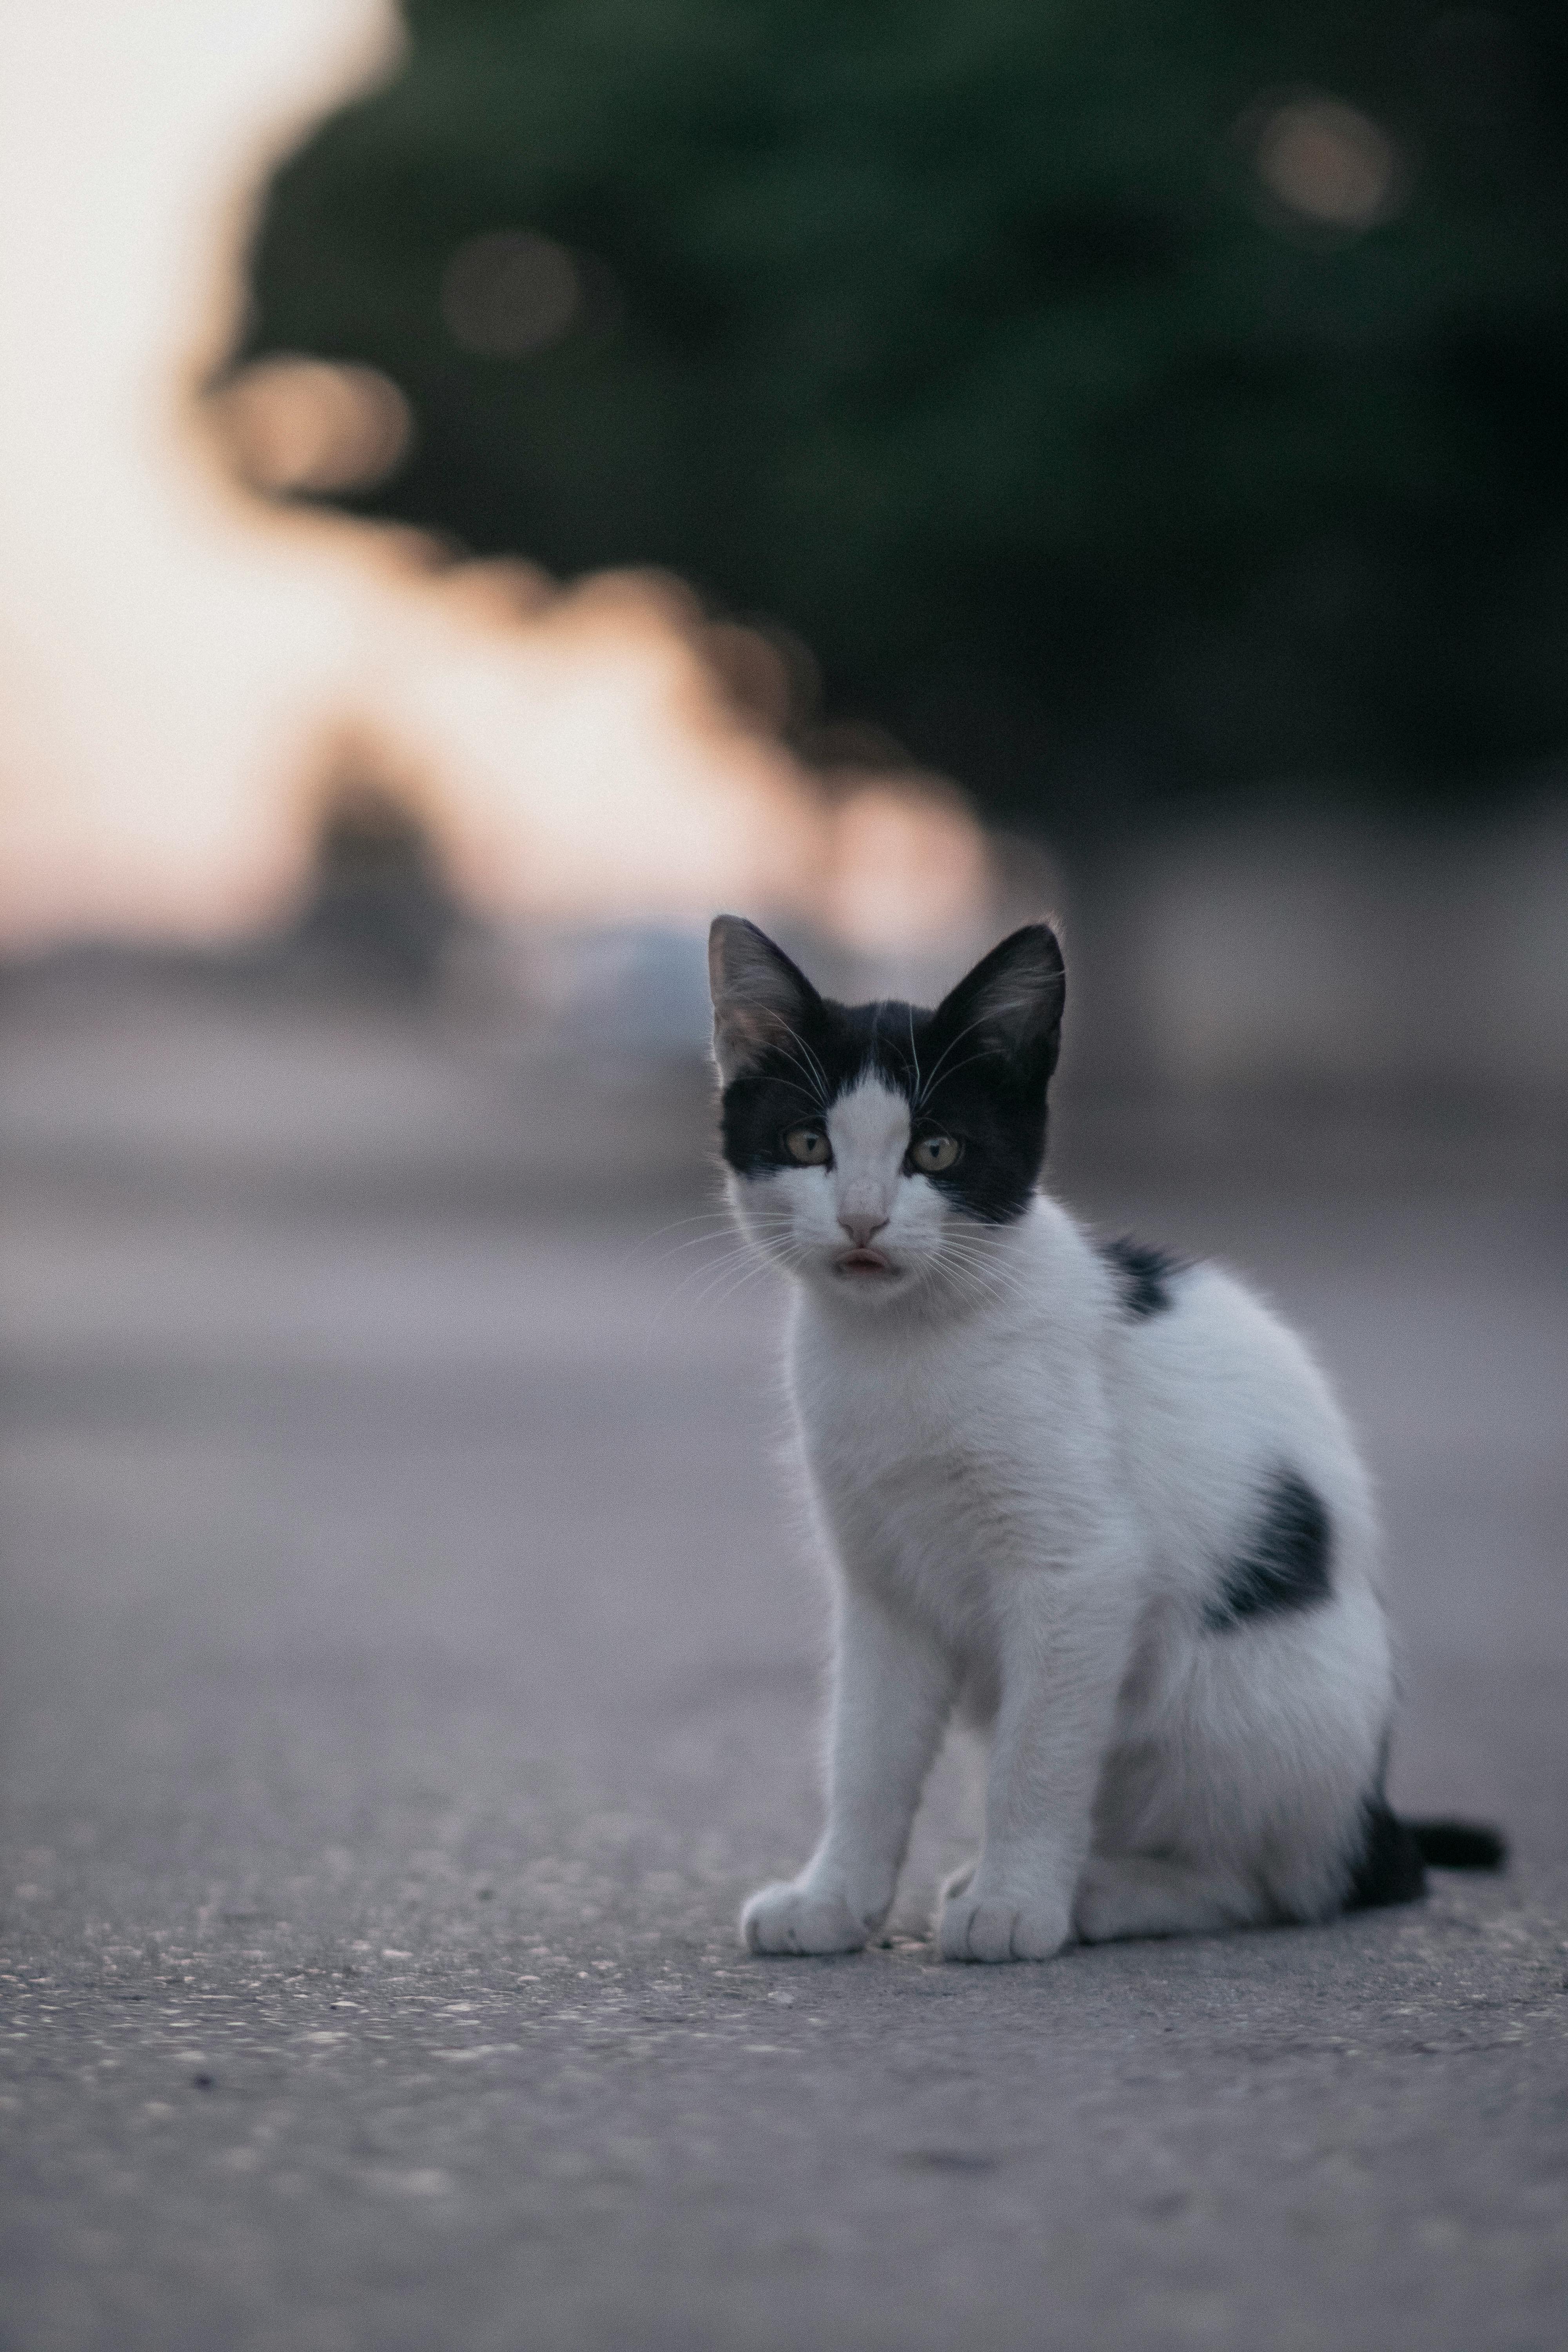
1285, 1562
1143, 1274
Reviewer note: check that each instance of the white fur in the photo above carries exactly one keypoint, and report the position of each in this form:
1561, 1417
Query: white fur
1028, 1496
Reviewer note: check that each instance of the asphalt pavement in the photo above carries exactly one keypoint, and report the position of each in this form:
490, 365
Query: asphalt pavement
410, 1656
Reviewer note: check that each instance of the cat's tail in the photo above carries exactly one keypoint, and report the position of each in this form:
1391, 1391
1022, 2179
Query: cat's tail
1459, 1845
1393, 1858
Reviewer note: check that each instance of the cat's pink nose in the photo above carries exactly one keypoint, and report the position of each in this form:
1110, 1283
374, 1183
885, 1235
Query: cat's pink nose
860, 1224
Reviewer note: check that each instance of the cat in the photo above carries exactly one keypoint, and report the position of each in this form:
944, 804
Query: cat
1100, 1502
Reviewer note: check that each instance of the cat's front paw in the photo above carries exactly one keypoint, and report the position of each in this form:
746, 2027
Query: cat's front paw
974, 1927
796, 1916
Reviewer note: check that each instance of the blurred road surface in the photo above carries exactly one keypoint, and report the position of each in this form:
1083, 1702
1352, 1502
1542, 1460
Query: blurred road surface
410, 1659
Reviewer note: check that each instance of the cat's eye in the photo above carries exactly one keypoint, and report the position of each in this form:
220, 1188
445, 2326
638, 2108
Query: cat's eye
809, 1146
932, 1155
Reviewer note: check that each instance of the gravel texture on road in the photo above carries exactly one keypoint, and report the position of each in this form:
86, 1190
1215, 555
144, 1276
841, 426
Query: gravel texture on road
411, 1656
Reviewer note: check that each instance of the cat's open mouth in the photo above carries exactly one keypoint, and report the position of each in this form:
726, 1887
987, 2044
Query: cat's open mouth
865, 1264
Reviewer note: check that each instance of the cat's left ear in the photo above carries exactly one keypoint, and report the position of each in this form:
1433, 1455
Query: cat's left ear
1012, 1001
760, 998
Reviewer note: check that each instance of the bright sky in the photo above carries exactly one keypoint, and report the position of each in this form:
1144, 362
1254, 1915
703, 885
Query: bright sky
176, 656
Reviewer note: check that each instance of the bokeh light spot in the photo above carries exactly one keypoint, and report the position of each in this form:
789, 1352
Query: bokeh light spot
510, 293
1330, 163
908, 866
291, 424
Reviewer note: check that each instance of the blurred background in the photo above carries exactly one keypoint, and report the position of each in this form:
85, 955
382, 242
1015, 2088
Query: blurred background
484, 486
487, 485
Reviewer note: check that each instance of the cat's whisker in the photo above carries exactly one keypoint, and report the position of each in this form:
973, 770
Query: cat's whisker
689, 1277
1000, 1291
750, 1249
973, 1254
809, 1067
718, 1224
970, 1282
694, 1242
738, 1282
706, 1241
986, 1054
812, 1094
733, 1255
698, 1217
777, 1258
981, 1273
819, 1073
951, 1047
969, 1253
740, 1268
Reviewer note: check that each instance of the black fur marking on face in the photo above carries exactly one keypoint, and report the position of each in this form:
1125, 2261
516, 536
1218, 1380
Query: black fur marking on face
1285, 1565
976, 1068
1145, 1276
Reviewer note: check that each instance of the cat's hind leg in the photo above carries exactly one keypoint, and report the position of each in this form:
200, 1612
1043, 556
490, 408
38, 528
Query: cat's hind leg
1136, 1895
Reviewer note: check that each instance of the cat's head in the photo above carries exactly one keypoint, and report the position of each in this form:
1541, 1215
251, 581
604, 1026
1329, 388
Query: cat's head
874, 1148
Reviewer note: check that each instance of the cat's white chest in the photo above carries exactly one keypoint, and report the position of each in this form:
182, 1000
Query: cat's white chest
939, 1470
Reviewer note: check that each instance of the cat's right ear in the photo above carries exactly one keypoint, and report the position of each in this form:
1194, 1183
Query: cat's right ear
759, 999
1011, 1003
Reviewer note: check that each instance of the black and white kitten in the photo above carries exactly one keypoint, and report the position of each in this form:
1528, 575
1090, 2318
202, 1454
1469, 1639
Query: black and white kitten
1102, 1504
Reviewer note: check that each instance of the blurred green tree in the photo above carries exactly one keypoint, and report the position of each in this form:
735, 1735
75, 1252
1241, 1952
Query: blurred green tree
1124, 400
